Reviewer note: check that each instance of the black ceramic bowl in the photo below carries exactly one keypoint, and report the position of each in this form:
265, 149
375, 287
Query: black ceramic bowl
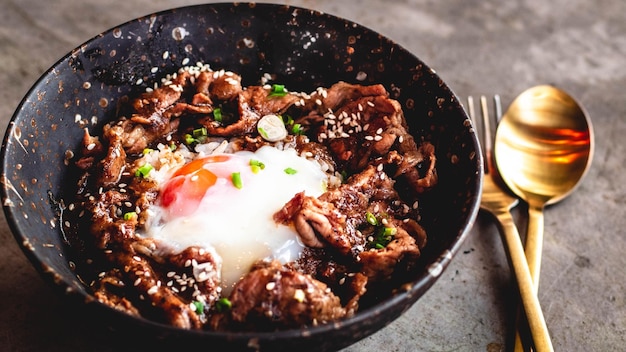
304, 49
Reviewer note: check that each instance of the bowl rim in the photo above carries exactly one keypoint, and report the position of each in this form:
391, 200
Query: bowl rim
416, 287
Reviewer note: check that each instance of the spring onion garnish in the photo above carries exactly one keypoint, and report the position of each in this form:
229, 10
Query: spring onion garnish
288, 120
147, 151
236, 178
217, 114
291, 171
272, 128
189, 139
256, 165
278, 90
297, 129
371, 219
130, 215
144, 170
382, 236
294, 128
198, 307
200, 134
223, 304
344, 176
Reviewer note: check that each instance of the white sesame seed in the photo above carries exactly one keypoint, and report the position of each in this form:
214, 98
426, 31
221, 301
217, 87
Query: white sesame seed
369, 138
153, 290
371, 103
378, 137
270, 285
299, 295
137, 282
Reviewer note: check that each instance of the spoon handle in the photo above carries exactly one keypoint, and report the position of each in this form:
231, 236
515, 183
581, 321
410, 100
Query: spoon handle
530, 303
533, 246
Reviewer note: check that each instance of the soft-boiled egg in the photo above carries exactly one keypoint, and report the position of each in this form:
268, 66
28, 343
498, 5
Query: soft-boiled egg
225, 203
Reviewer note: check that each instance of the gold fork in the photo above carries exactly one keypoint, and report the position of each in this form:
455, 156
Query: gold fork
499, 203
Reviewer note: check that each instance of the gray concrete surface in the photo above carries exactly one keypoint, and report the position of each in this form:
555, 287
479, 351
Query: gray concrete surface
478, 47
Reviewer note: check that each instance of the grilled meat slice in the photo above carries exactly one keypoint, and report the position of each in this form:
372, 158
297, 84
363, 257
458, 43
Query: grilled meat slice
272, 297
348, 219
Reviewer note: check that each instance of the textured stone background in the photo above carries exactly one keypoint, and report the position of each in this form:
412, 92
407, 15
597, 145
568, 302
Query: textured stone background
478, 47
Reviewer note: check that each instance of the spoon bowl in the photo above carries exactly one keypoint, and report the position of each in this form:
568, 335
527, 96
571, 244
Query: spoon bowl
544, 145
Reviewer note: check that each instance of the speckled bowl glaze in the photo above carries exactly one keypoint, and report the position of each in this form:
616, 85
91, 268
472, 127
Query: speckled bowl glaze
304, 49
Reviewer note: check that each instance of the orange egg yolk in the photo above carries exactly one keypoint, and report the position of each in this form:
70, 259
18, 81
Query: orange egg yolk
184, 191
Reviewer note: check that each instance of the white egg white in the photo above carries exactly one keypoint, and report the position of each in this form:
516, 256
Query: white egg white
238, 224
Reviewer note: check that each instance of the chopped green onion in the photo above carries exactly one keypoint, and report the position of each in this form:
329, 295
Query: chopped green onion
384, 235
189, 139
278, 90
198, 307
297, 129
172, 146
199, 135
130, 215
223, 304
371, 219
200, 132
256, 165
236, 178
288, 120
144, 170
389, 232
217, 114
344, 176
291, 171
147, 151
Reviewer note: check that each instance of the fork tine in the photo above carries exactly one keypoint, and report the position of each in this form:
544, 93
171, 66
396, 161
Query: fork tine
488, 141
498, 107
481, 137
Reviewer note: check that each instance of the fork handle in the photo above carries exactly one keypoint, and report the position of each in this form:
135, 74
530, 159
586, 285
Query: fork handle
533, 247
530, 303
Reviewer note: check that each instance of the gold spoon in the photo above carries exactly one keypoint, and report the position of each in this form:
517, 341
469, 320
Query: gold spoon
543, 148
